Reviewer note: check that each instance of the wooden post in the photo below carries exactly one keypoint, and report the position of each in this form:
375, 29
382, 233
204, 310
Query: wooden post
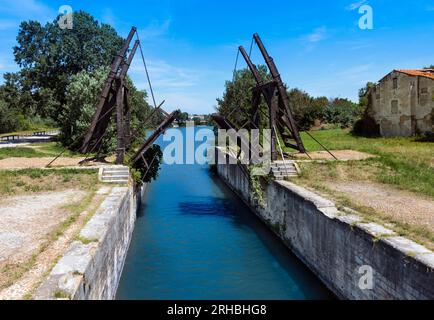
273, 105
120, 121
127, 125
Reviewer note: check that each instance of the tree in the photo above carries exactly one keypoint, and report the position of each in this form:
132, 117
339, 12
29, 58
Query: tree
82, 96
8, 118
237, 98
50, 56
364, 92
343, 112
305, 108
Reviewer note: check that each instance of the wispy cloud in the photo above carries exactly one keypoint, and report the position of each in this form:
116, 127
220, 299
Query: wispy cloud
165, 75
317, 35
155, 29
355, 5
30, 9
359, 72
108, 17
9, 24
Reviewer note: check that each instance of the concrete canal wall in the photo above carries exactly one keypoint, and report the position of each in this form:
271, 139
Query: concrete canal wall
340, 249
92, 266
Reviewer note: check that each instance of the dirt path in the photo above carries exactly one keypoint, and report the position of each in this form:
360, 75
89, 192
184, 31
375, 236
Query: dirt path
400, 205
343, 155
25, 225
24, 163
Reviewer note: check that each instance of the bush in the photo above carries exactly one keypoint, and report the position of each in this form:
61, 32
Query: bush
82, 96
366, 127
8, 119
342, 112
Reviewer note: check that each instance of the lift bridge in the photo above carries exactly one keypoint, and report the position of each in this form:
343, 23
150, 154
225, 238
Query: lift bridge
280, 117
114, 102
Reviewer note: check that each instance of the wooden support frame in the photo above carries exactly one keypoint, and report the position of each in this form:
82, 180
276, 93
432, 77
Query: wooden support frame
276, 97
113, 97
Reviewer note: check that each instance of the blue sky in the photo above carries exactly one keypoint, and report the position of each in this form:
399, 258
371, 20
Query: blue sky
191, 45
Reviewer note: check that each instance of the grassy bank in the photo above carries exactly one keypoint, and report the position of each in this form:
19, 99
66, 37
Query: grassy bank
399, 164
26, 181
36, 150
406, 163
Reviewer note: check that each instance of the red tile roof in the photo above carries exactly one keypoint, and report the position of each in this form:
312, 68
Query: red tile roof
427, 73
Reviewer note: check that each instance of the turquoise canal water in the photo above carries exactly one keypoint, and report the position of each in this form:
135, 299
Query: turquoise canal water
194, 239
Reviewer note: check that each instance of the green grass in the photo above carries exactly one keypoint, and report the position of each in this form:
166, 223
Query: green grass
38, 180
36, 150
403, 162
19, 152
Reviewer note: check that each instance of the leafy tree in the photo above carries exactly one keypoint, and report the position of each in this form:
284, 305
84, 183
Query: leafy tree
49, 57
153, 157
305, 108
8, 118
82, 96
237, 98
363, 94
343, 112
366, 126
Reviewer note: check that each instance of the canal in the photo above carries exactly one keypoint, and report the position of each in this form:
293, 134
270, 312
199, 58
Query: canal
194, 239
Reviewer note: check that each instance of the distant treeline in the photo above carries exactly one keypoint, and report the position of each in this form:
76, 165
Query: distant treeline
309, 112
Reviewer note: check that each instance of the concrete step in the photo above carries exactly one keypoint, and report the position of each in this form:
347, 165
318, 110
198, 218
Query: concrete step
109, 177
115, 172
281, 170
114, 181
285, 175
116, 168
284, 168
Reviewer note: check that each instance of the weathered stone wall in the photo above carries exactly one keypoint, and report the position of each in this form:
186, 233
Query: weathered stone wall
92, 266
415, 105
336, 246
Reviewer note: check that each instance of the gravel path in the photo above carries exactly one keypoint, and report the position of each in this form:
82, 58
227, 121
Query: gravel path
343, 155
26, 284
24, 163
26, 220
401, 205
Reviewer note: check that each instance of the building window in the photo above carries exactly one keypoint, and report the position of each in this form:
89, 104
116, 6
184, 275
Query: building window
394, 106
424, 90
395, 83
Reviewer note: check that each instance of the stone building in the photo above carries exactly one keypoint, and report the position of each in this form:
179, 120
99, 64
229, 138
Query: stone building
402, 103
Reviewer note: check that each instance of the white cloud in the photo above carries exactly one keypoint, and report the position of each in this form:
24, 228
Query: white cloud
317, 35
359, 72
29, 9
9, 24
108, 17
355, 5
155, 29
164, 75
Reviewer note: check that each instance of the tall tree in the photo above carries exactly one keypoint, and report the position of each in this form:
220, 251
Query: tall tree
49, 56
82, 97
237, 98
